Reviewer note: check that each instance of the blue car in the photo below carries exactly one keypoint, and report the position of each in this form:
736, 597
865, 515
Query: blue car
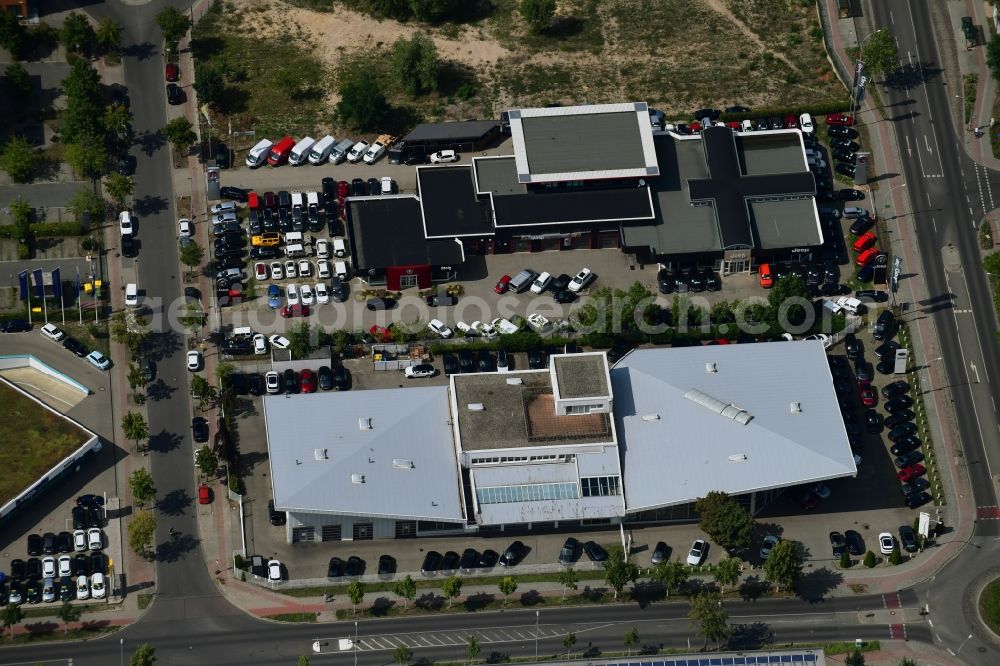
274, 296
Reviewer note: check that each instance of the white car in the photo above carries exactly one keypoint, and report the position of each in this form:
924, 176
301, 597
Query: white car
505, 326
822, 337
48, 566
79, 541
697, 552
357, 152
886, 542
443, 156
125, 223
770, 541
806, 123
541, 283
52, 332
387, 185
292, 294
98, 360
185, 228
131, 295
272, 381
97, 585
439, 327
374, 152
273, 570
65, 565
82, 588
468, 330
852, 305
95, 540
539, 323
322, 293
277, 270
305, 268
279, 342
323, 248
259, 344
581, 280
260, 271
484, 330
323, 269
420, 370
290, 271
306, 295
223, 207
194, 360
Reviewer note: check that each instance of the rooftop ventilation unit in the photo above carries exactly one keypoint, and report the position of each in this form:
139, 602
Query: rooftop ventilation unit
738, 457
476, 407
514, 381
402, 463
365, 423
357, 478
650, 417
319, 454
711, 368
796, 407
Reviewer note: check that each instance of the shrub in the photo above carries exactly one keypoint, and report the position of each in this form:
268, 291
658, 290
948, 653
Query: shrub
820, 108
238, 561
58, 229
234, 482
869, 559
845, 561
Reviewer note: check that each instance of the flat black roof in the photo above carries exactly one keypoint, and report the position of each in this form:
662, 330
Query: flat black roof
466, 130
388, 231
572, 205
450, 205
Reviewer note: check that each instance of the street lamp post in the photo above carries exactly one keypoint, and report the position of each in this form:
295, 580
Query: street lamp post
536, 635
355, 643
121, 651
855, 93
888, 196
963, 644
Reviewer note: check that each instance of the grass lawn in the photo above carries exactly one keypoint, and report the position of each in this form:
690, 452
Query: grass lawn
32, 441
989, 605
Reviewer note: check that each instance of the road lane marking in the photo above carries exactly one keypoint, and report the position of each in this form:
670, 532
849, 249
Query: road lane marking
927, 144
909, 150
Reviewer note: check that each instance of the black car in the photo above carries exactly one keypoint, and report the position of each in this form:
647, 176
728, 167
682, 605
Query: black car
98, 563
711, 114
338, 289
901, 431
564, 296
826, 196
386, 566
355, 566
905, 446
291, 381
276, 517
837, 544
341, 378
560, 283
568, 552
94, 516
49, 543
128, 246
863, 370
265, 252
512, 555
873, 420
664, 281
887, 349
222, 156
17, 569
374, 187
34, 544
844, 156
80, 565
488, 559
325, 378
851, 195
776, 123
431, 563
235, 193
450, 362
237, 347
907, 459
79, 518
227, 228
64, 542
661, 552
335, 569
469, 561
256, 384
594, 551
67, 591
380, 304
536, 359
175, 95
147, 368
15, 326
841, 131
845, 169
284, 199
855, 544
896, 388
898, 403
917, 500
873, 294
33, 591
466, 361
885, 326
696, 281
34, 567
486, 361
852, 346
358, 188
199, 429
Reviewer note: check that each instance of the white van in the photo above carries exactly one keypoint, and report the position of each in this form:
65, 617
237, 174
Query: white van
293, 237
131, 295
746, 126
300, 151
806, 123
297, 199
339, 247
242, 332
295, 250
340, 269
358, 151
339, 152
321, 150
258, 154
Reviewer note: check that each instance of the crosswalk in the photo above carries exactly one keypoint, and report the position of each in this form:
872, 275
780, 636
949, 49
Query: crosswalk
426, 639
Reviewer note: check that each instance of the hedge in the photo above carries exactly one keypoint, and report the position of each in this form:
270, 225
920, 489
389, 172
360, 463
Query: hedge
57, 229
820, 108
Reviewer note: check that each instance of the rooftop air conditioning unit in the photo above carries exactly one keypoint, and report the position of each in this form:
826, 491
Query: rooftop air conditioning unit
476, 407
796, 407
365, 423
514, 381
401, 463
738, 457
319, 454
357, 478
650, 417
710, 367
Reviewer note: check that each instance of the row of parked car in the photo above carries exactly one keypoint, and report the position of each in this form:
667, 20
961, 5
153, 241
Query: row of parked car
852, 543
331, 150
306, 381
56, 334
564, 288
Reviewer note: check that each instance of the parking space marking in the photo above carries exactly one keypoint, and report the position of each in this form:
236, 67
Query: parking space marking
451, 638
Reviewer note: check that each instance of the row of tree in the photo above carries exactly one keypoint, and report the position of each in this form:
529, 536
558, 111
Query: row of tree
77, 35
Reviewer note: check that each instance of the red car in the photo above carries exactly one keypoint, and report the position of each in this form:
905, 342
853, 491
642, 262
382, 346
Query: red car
380, 332
173, 72
253, 201
864, 241
204, 495
840, 119
695, 127
307, 381
911, 472
343, 189
807, 500
297, 310
502, 285
868, 395
791, 122
732, 124
866, 257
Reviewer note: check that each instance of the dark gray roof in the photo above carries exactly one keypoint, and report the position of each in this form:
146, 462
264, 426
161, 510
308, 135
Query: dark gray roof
389, 231
466, 130
449, 203
581, 375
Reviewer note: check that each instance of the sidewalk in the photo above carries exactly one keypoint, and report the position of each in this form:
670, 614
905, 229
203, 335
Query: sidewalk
974, 62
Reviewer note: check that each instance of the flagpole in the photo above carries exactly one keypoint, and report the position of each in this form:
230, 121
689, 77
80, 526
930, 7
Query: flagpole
28, 278
59, 287
45, 307
79, 301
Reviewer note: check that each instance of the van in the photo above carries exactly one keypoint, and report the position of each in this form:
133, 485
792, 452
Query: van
746, 126
339, 247
132, 295
258, 154
321, 150
339, 152
223, 207
293, 237
340, 269
242, 333
357, 151
297, 201
300, 151
280, 152
295, 250
522, 280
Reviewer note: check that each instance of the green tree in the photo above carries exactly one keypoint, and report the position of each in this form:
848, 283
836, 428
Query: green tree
434, 11
993, 56
906, 661
725, 520
614, 311
709, 617
788, 293
210, 85
119, 188
76, 34
118, 121
507, 586
402, 655
569, 640
631, 640
728, 571
191, 255
86, 201
206, 460
472, 648
356, 592
855, 658
303, 660
618, 570
223, 372
193, 318
84, 112
173, 23
141, 529
130, 330
12, 34
895, 557
362, 103
783, 565
109, 35
20, 159
415, 64
300, 341
672, 575
538, 13
12, 613
17, 84
869, 560
135, 428
135, 376
88, 157
203, 392
140, 483
452, 587
568, 578
144, 655
845, 560
991, 263
405, 588
879, 53
68, 613
180, 133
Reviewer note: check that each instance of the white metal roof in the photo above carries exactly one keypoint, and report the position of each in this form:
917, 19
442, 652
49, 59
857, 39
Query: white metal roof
733, 418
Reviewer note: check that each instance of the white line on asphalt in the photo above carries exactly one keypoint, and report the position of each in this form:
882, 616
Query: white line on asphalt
422, 638
994, 403
928, 193
934, 222
927, 143
891, 20
909, 151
